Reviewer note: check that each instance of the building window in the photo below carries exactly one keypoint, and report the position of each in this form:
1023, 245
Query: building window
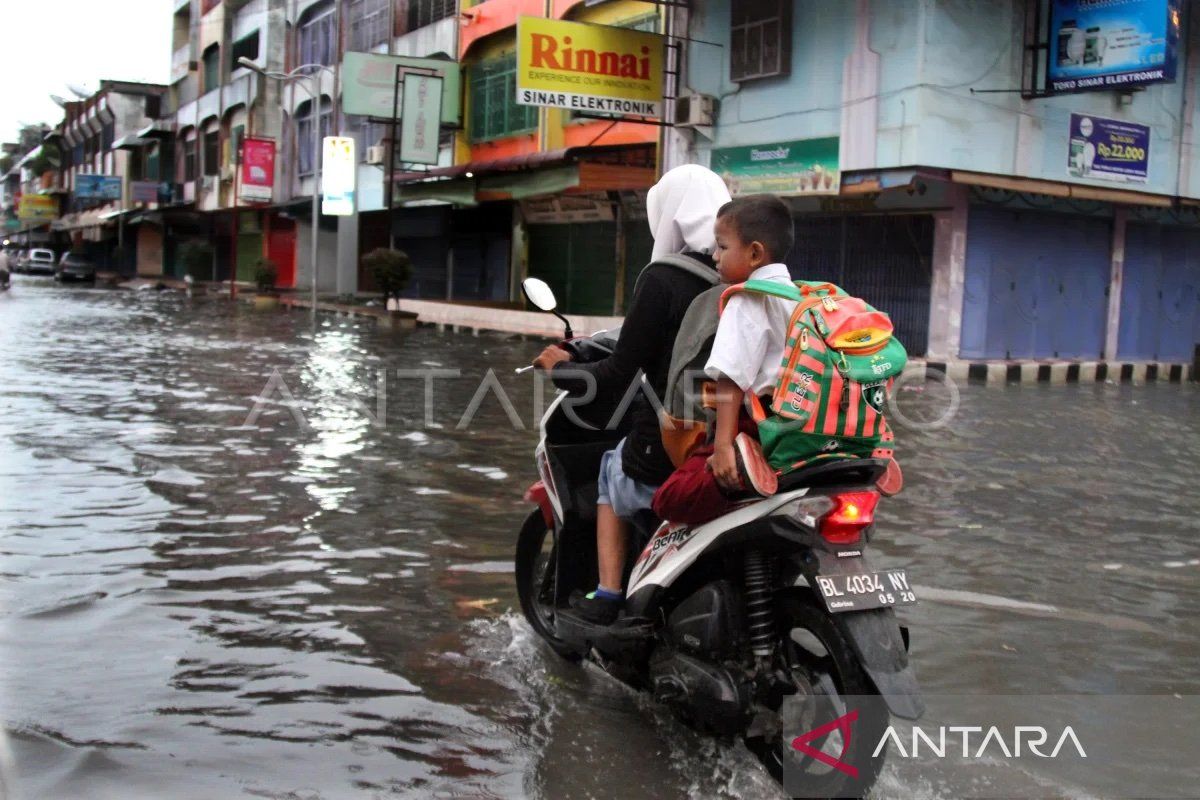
153, 106
189, 157
236, 134
304, 132
212, 152
212, 67
494, 109
152, 163
760, 44
246, 47
427, 12
368, 24
317, 42
107, 135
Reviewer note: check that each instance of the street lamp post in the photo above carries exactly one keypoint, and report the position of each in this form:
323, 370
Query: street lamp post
314, 92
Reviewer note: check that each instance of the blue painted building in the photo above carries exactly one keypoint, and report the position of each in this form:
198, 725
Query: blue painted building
993, 220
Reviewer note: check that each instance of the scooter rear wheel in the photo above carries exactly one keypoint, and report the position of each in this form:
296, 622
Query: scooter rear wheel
535, 581
819, 655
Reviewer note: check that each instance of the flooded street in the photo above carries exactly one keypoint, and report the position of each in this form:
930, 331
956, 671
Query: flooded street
196, 607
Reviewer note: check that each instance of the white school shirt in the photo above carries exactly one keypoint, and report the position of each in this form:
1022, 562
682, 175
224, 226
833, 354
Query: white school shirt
752, 334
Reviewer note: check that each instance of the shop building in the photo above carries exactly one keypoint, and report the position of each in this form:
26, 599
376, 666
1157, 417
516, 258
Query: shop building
532, 191
984, 174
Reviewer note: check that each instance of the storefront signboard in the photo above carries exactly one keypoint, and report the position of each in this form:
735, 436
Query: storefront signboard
37, 208
98, 187
338, 173
1106, 44
1108, 149
802, 167
419, 119
257, 170
369, 84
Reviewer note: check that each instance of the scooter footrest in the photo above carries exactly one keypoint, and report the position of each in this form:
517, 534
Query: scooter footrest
627, 636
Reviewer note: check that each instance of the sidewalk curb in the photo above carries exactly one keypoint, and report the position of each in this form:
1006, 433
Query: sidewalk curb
1000, 373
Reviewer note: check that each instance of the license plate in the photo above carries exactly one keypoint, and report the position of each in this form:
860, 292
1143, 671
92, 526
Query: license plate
865, 590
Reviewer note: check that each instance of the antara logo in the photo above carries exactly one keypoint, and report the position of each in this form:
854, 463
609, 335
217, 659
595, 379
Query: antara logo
842, 724
548, 55
1032, 736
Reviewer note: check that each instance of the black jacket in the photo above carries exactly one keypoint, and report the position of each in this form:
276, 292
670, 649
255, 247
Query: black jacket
648, 334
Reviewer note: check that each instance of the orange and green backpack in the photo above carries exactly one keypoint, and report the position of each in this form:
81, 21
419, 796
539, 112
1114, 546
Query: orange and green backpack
838, 367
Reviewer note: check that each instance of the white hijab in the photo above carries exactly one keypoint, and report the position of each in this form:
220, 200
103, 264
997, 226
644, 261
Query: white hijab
682, 208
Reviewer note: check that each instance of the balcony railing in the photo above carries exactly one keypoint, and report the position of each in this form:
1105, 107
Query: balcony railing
240, 90
186, 116
180, 61
209, 104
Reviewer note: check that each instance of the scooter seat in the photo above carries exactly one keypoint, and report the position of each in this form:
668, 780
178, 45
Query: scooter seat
835, 472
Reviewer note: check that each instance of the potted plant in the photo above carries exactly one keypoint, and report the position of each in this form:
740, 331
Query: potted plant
391, 270
265, 275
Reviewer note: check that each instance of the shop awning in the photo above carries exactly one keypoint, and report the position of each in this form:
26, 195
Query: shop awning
156, 130
1057, 189
576, 169
520, 185
459, 192
130, 142
479, 168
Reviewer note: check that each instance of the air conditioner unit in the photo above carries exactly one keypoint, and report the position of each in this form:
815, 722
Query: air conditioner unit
208, 183
693, 110
228, 172
377, 154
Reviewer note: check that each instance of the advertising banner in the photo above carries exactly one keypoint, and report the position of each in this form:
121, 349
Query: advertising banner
807, 166
258, 170
369, 82
583, 67
37, 208
419, 120
338, 173
1108, 149
98, 187
1102, 44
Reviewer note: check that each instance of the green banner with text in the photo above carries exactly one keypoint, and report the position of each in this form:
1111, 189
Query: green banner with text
807, 166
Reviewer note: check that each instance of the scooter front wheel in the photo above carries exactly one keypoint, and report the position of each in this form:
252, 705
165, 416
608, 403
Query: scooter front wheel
535, 581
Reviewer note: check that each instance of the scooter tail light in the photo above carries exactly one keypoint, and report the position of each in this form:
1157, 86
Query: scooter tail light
853, 512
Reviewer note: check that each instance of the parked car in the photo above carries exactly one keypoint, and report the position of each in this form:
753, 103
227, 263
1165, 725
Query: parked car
75, 267
40, 261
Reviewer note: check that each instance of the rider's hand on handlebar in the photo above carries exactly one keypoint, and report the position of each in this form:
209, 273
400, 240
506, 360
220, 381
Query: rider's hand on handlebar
723, 464
551, 356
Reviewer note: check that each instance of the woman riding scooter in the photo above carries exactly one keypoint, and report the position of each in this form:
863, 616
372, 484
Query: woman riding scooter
681, 209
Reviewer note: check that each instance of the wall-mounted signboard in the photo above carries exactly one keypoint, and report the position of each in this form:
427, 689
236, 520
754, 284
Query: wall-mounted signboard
589, 68
1108, 149
1108, 44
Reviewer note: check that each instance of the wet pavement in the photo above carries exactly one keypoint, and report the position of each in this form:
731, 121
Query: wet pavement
194, 605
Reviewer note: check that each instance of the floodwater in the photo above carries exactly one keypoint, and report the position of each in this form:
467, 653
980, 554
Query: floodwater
317, 601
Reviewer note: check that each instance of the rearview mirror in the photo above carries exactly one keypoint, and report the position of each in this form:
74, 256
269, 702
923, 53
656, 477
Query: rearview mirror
539, 293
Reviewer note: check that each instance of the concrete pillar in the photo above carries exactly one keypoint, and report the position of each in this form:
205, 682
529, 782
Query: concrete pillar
326, 279
949, 271
1116, 279
860, 96
675, 146
347, 255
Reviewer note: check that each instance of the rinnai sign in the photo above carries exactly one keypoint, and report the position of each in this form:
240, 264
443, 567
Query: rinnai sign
37, 208
1106, 44
584, 67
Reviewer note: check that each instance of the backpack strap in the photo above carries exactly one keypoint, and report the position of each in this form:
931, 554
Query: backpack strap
804, 292
685, 263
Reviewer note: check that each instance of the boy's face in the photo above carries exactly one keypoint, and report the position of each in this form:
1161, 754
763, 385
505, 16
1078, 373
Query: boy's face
736, 259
